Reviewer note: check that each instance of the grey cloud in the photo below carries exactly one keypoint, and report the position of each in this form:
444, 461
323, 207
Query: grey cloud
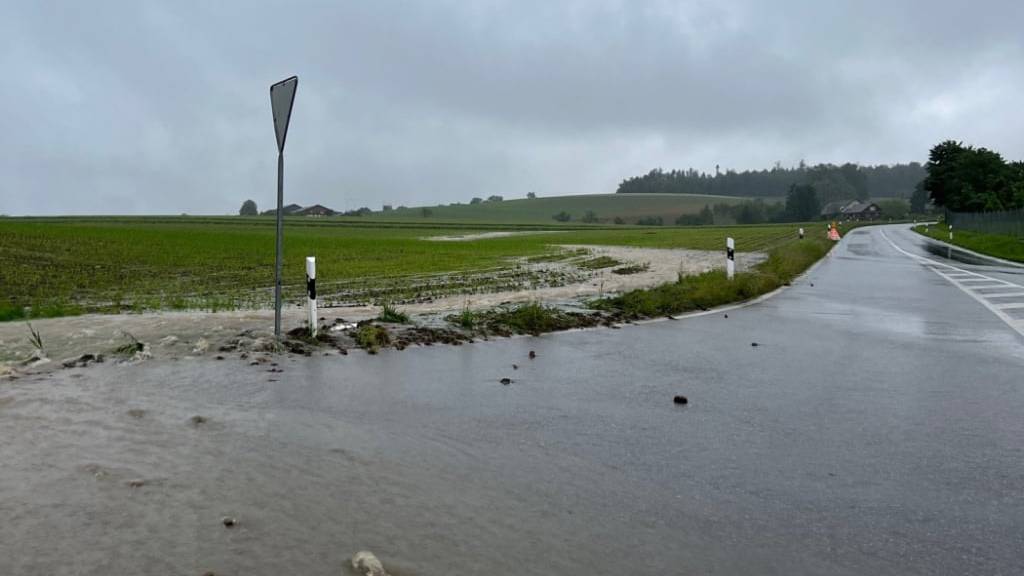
162, 107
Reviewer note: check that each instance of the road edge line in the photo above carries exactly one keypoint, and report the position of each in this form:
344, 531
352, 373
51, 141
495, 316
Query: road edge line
929, 263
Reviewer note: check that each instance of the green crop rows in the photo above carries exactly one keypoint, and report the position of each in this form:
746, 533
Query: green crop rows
135, 264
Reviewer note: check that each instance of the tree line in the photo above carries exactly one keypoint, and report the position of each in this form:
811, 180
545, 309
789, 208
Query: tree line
968, 179
832, 182
801, 205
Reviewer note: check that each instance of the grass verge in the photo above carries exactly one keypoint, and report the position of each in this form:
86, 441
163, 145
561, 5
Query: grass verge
710, 289
998, 245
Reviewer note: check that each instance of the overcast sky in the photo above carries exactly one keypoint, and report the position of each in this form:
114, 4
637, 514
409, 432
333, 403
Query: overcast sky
163, 107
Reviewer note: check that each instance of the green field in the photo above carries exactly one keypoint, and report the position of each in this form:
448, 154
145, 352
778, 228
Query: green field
55, 266
629, 207
998, 245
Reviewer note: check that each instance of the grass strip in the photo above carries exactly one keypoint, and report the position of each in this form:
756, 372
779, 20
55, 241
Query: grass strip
998, 245
713, 288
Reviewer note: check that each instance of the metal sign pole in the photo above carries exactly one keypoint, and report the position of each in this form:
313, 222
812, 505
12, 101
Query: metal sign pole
282, 97
280, 242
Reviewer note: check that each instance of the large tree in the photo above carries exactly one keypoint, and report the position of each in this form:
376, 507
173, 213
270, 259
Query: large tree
802, 203
967, 179
857, 179
919, 200
248, 209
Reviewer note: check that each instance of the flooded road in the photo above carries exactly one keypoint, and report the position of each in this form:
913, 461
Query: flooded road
875, 429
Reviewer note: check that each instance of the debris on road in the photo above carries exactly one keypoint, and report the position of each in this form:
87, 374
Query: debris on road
197, 420
680, 399
532, 354
755, 344
202, 345
505, 381
38, 358
366, 564
83, 360
229, 522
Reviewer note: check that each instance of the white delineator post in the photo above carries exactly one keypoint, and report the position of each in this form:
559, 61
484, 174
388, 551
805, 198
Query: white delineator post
950, 231
730, 258
311, 293
801, 232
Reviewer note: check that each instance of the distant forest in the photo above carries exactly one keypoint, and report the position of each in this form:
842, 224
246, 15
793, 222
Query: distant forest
831, 182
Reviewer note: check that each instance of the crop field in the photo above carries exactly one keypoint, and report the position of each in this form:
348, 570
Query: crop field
59, 266
606, 207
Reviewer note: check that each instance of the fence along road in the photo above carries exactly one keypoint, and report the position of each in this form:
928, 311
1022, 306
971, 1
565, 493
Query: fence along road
1008, 222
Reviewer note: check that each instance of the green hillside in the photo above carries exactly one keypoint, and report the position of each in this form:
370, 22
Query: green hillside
629, 207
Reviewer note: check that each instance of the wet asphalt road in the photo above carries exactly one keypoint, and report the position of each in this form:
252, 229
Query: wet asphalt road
876, 429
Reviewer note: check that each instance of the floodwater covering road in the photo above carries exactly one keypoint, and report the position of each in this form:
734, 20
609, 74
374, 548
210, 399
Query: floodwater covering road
876, 429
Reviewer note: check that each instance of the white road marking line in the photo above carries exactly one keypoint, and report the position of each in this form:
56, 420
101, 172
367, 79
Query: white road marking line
1016, 325
979, 289
1010, 306
1003, 294
989, 280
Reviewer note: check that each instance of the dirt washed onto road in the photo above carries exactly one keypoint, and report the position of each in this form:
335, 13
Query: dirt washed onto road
133, 338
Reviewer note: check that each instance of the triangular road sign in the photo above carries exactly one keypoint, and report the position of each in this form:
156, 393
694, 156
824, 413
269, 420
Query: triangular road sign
282, 96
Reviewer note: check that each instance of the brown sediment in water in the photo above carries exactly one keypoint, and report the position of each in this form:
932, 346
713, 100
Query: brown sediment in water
77, 342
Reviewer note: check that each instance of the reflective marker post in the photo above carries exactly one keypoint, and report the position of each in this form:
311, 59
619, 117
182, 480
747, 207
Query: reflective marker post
282, 96
730, 258
311, 293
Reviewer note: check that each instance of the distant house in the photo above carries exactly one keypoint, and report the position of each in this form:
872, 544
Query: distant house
287, 210
316, 211
851, 210
834, 209
862, 211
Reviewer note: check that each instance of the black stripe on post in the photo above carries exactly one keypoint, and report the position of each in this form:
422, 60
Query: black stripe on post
311, 287
730, 254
